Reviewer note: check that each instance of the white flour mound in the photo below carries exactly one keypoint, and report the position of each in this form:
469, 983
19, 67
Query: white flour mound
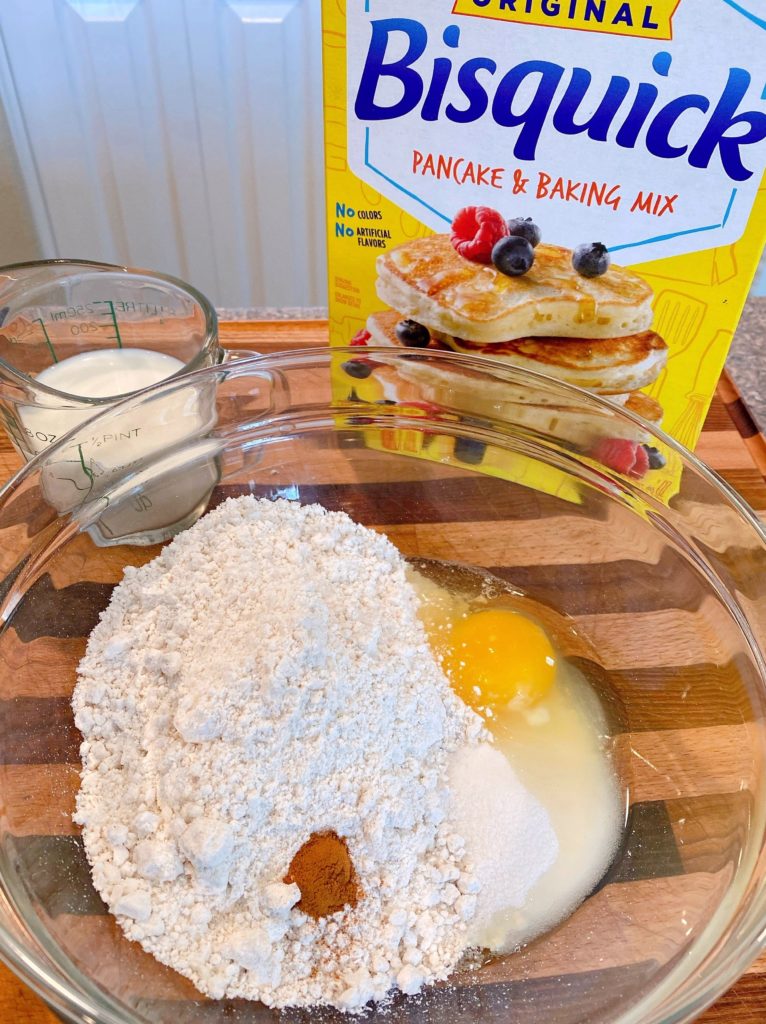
265, 678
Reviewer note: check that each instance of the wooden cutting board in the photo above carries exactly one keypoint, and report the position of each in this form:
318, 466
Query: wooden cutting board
730, 443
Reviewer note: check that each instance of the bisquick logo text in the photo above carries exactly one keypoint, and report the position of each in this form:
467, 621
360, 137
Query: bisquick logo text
524, 98
616, 17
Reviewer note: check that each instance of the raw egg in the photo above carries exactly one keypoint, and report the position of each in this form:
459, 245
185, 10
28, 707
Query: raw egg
499, 658
438, 610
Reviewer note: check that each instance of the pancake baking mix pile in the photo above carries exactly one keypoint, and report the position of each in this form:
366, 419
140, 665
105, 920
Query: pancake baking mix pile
316, 774
570, 186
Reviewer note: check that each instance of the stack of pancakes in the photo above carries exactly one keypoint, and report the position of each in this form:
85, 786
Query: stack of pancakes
592, 332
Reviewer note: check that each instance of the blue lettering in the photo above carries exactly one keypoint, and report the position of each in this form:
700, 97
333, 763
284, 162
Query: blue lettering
474, 92
435, 95
637, 115
661, 63
657, 138
452, 36
550, 8
624, 15
375, 68
723, 118
726, 131
441, 75
594, 11
533, 118
647, 22
598, 124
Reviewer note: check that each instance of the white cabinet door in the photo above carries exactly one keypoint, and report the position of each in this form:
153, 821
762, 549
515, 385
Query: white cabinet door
181, 135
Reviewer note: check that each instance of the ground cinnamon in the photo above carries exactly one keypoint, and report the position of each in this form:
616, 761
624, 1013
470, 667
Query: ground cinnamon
324, 872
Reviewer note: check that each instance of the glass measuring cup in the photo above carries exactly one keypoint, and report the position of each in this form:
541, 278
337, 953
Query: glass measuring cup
75, 338
55, 310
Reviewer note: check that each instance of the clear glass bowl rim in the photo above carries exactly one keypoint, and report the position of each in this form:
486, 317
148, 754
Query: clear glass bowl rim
678, 1000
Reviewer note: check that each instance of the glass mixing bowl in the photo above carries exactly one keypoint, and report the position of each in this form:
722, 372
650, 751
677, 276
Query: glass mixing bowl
454, 459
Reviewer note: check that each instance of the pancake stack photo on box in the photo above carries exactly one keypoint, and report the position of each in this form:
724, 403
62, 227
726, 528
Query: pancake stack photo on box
492, 287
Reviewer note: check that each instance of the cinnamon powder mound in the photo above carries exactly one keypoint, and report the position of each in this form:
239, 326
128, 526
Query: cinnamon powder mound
324, 872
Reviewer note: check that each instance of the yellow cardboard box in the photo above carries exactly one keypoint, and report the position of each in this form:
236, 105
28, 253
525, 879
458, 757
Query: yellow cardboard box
642, 125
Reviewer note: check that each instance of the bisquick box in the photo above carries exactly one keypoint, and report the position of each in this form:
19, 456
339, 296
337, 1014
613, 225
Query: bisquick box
639, 125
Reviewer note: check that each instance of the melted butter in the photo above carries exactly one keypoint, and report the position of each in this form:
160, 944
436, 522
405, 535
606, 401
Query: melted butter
586, 309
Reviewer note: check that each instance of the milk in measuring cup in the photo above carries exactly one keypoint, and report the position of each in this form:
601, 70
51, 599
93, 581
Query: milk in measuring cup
97, 374
159, 496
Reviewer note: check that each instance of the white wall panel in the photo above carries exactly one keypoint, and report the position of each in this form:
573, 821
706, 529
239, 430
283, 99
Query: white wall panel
183, 135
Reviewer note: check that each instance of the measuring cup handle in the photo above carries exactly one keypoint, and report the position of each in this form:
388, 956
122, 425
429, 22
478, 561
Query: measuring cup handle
231, 355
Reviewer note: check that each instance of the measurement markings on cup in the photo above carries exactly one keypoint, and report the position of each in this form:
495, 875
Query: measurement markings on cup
112, 316
109, 330
104, 319
48, 341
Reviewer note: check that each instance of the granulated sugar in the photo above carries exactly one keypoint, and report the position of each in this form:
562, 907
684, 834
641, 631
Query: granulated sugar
509, 837
265, 679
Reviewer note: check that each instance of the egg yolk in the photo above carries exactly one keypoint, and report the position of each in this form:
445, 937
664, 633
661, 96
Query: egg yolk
497, 658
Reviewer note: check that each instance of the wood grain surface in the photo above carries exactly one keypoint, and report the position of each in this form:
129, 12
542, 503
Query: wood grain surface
730, 443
